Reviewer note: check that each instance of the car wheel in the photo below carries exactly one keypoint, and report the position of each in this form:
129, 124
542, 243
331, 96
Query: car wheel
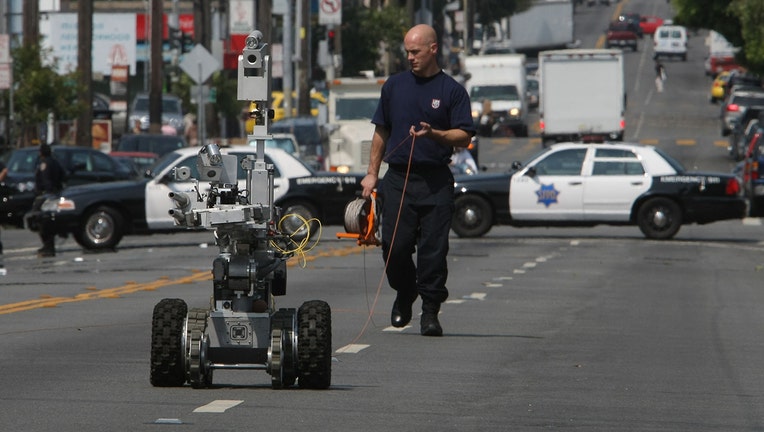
100, 229
473, 216
295, 214
659, 218
756, 209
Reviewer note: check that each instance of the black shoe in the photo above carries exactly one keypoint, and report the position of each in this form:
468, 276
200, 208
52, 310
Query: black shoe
430, 325
42, 253
401, 314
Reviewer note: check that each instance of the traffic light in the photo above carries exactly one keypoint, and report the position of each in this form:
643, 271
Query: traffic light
330, 33
186, 42
175, 35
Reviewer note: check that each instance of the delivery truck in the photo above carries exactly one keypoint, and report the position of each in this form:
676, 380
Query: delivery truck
497, 86
547, 24
581, 95
352, 103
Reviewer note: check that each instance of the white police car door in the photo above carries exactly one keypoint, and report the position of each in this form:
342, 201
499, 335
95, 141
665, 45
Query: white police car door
551, 188
158, 202
617, 180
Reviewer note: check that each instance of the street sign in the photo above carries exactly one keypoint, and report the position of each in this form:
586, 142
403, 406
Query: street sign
199, 64
330, 12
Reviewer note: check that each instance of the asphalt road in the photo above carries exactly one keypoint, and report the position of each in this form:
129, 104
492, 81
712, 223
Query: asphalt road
593, 329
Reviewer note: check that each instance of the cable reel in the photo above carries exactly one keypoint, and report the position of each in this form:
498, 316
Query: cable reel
362, 221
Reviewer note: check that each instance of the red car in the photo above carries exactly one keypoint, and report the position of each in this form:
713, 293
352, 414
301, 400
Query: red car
649, 23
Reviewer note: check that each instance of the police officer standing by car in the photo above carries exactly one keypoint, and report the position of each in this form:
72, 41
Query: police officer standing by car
49, 180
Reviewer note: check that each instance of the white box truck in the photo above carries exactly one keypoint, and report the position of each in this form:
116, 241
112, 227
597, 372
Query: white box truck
498, 81
581, 95
352, 103
547, 24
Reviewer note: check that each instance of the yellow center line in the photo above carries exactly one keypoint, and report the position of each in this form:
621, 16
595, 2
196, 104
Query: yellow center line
47, 301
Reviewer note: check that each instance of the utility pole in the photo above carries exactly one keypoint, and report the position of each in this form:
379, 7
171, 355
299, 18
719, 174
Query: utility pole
202, 22
287, 60
156, 72
31, 19
84, 132
304, 61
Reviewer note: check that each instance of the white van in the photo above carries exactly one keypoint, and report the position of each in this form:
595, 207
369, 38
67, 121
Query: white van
670, 41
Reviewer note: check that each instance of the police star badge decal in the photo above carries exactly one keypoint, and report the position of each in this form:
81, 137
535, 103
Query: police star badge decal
547, 195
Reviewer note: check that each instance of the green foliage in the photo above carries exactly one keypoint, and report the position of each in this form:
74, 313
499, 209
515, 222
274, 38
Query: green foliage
40, 90
738, 20
709, 14
751, 15
362, 31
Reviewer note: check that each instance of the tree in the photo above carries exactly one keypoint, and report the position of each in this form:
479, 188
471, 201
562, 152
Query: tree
751, 15
739, 21
366, 32
41, 91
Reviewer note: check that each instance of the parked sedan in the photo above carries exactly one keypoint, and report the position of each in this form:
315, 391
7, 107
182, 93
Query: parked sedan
753, 172
98, 216
578, 184
738, 102
82, 165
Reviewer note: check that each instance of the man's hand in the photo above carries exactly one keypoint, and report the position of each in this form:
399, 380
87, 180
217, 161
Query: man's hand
368, 183
425, 130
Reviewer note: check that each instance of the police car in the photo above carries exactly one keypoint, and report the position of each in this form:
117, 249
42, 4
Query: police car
578, 184
99, 215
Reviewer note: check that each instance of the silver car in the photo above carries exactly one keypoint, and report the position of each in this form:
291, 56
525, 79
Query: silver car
736, 105
172, 112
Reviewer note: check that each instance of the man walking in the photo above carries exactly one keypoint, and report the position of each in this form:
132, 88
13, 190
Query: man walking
422, 115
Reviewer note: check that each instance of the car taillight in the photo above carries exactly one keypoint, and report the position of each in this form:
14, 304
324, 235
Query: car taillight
541, 125
733, 107
733, 187
755, 170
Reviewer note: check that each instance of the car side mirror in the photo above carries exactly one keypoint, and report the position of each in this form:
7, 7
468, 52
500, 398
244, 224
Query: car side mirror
531, 172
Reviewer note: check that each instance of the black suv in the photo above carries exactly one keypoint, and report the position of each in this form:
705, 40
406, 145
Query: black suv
82, 165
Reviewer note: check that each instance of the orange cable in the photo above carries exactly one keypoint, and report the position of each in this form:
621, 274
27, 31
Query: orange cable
392, 240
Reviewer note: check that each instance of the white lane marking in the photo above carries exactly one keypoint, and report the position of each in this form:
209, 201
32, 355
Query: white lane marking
503, 278
475, 296
529, 265
455, 301
352, 348
167, 421
218, 406
752, 221
492, 285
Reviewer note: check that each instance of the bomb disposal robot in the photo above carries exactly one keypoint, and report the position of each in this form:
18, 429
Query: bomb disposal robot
242, 329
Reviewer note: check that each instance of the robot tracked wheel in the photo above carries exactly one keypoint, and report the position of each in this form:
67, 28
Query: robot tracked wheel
362, 221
